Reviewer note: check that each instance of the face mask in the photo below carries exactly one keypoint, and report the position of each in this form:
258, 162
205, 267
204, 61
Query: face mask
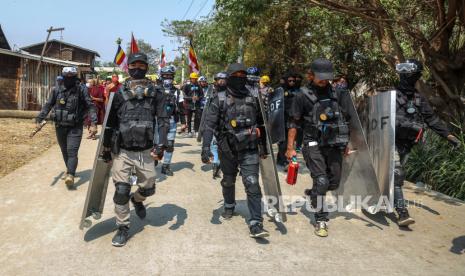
407, 82
137, 73
237, 83
167, 83
69, 82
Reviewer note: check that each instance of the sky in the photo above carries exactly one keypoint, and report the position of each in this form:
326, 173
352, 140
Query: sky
97, 24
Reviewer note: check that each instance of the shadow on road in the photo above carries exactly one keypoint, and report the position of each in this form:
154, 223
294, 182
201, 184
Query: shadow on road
458, 245
178, 145
57, 179
182, 165
84, 177
156, 216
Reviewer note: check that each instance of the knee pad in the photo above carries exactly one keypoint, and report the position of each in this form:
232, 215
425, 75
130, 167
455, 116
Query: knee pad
399, 176
170, 146
251, 185
122, 193
146, 192
321, 184
228, 181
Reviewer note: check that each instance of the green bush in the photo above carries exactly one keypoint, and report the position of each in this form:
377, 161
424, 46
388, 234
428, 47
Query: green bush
436, 163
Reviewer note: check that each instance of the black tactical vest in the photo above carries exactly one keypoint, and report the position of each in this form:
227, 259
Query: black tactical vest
170, 98
66, 111
325, 122
409, 122
137, 115
239, 121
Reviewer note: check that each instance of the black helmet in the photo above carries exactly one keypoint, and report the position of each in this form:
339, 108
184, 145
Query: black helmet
410, 66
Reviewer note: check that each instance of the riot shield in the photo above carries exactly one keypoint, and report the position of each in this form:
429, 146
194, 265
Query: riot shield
275, 111
209, 96
358, 177
368, 170
98, 182
381, 141
269, 174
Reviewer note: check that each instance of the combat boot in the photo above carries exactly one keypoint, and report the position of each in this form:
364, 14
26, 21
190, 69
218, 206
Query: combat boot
139, 208
228, 213
257, 231
121, 236
166, 170
404, 218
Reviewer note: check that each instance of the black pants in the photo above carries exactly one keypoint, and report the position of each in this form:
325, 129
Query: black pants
403, 149
69, 139
247, 161
197, 115
325, 164
299, 139
281, 158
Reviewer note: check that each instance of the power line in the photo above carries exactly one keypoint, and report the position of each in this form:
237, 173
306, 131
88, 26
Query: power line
203, 6
188, 9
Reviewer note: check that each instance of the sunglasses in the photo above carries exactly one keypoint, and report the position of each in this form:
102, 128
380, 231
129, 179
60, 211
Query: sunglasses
290, 80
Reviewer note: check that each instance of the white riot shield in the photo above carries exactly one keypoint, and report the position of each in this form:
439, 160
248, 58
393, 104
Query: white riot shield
381, 141
368, 170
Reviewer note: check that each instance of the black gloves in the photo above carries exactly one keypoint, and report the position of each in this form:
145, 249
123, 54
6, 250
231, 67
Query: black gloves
206, 155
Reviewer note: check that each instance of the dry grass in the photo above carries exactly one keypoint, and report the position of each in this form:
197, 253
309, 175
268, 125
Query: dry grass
16, 148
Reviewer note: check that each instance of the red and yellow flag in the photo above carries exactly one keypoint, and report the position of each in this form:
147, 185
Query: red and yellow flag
193, 63
120, 59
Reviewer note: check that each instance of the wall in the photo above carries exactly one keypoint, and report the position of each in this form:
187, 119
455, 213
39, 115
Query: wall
9, 82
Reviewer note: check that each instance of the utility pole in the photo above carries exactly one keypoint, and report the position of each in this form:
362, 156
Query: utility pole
50, 30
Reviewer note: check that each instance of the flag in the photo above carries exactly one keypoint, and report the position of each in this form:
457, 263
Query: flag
193, 64
134, 48
162, 59
120, 59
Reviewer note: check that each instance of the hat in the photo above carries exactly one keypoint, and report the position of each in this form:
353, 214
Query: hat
236, 67
323, 69
137, 57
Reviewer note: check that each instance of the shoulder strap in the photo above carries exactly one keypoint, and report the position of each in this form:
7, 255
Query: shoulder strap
309, 95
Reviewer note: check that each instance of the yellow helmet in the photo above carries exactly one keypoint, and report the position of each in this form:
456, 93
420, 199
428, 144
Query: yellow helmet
194, 75
265, 79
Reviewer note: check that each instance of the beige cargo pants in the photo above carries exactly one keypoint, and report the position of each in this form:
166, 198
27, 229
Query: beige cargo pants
144, 167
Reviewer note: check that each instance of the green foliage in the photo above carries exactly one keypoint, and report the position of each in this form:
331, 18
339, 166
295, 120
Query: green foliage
438, 165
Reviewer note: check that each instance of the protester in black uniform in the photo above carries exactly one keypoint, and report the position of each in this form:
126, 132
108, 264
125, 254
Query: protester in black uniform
129, 135
290, 91
70, 103
413, 115
235, 119
322, 113
192, 102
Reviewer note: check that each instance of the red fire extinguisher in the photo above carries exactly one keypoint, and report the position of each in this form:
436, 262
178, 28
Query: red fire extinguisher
292, 171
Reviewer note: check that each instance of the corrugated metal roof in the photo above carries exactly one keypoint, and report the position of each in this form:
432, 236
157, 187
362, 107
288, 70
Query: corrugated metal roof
3, 41
62, 42
44, 59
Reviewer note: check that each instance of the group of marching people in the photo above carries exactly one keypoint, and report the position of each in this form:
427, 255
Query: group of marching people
143, 117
